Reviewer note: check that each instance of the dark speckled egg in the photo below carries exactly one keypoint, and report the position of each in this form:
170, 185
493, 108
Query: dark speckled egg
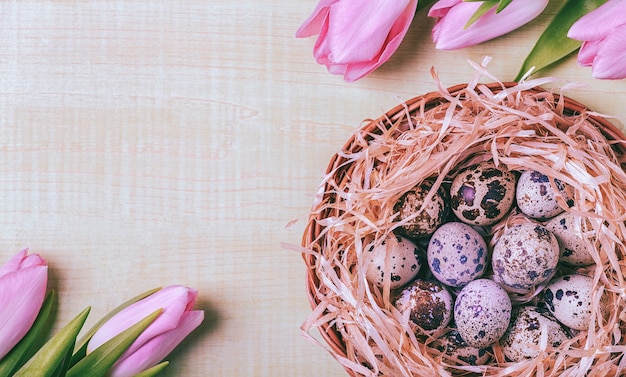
456, 254
428, 303
425, 217
482, 312
456, 351
482, 194
524, 256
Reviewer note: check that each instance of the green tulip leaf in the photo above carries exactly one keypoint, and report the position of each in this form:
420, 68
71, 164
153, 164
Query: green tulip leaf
81, 346
503, 4
151, 372
65, 364
554, 45
13, 360
99, 361
51, 355
485, 7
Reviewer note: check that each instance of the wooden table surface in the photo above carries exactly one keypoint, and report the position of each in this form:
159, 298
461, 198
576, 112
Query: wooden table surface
152, 143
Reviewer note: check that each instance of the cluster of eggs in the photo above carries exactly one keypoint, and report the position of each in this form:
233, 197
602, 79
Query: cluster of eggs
467, 287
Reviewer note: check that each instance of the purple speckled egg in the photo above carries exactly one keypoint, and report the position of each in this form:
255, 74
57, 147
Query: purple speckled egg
482, 194
429, 305
536, 195
396, 257
482, 312
457, 254
523, 337
525, 256
426, 217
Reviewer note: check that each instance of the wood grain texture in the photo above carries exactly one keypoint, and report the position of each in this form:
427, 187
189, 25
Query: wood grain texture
152, 143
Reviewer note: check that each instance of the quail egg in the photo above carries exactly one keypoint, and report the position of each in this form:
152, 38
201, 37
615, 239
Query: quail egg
428, 303
482, 312
427, 216
522, 339
396, 257
524, 256
456, 254
568, 230
536, 197
569, 299
458, 352
482, 194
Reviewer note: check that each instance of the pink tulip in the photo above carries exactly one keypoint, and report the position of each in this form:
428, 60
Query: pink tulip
357, 36
23, 282
173, 325
603, 33
449, 32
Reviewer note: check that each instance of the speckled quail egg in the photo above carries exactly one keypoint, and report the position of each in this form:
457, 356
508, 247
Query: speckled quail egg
524, 256
522, 339
396, 257
568, 230
456, 254
537, 198
456, 351
427, 303
482, 194
482, 312
426, 216
569, 299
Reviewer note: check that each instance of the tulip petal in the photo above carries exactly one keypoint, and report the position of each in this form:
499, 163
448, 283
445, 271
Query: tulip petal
101, 360
610, 63
588, 52
356, 37
14, 263
157, 348
21, 294
173, 300
396, 35
80, 349
441, 7
358, 29
19, 354
32, 260
596, 25
449, 32
321, 49
313, 24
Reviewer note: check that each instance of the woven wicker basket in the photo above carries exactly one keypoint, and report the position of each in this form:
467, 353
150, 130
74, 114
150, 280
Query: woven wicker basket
340, 170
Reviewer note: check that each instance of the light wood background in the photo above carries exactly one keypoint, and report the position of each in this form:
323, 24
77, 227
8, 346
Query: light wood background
148, 143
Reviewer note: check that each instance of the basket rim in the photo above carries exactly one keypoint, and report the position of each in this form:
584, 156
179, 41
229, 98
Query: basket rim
428, 101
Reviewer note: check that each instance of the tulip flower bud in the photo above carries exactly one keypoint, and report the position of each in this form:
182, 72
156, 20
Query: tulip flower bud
357, 36
23, 283
603, 33
450, 31
177, 320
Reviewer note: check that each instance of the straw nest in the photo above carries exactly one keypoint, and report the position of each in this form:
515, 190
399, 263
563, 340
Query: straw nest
517, 125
